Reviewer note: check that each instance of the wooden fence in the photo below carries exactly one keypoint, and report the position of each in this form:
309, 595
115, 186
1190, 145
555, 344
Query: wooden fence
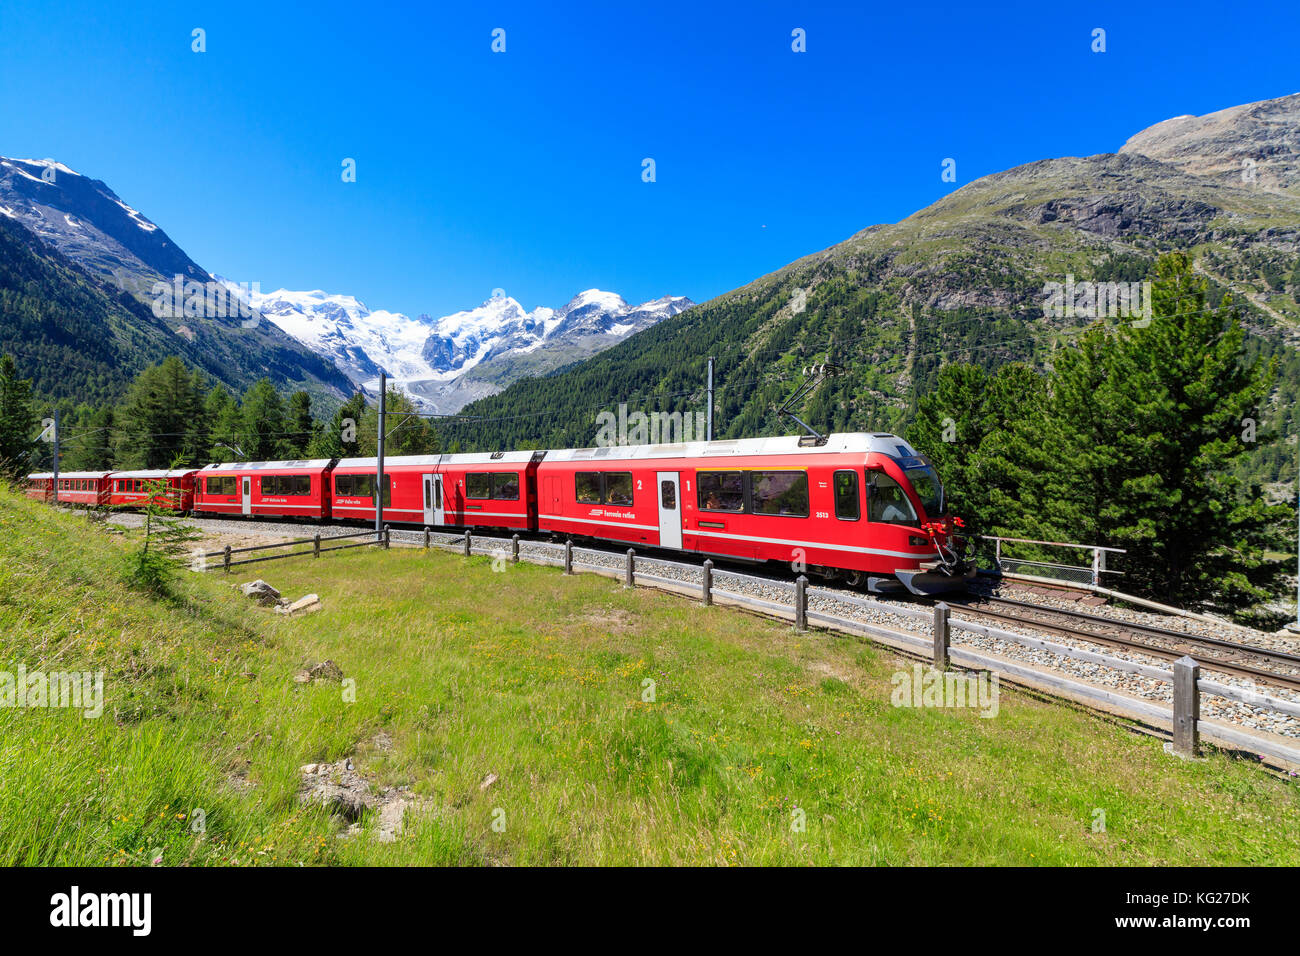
201, 558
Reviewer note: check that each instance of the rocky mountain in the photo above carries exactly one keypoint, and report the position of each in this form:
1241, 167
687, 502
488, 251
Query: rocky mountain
965, 279
445, 363
88, 223
91, 247
1257, 144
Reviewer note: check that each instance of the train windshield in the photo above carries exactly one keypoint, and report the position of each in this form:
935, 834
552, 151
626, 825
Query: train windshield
927, 487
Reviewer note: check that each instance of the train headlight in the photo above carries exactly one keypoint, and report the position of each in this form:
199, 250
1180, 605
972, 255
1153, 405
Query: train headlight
916, 541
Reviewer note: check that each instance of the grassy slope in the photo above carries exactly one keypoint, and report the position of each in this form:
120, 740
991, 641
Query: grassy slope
538, 679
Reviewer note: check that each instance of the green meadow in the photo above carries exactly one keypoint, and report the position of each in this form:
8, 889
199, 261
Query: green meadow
539, 719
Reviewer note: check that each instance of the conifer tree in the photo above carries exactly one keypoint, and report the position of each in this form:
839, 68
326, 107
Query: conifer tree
18, 422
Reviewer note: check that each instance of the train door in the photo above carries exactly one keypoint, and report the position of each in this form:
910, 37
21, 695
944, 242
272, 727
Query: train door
433, 504
551, 494
670, 509
247, 493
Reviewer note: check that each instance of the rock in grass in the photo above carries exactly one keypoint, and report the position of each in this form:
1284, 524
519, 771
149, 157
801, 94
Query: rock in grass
325, 670
337, 787
306, 604
261, 592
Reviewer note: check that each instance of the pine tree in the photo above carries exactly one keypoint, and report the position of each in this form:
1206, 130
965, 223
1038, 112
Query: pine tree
264, 429
338, 439
1147, 428
226, 425
18, 422
301, 428
198, 435
949, 428
88, 440
157, 416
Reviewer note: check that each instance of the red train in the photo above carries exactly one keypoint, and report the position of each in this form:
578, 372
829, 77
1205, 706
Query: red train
297, 489
115, 488
78, 487
131, 488
864, 507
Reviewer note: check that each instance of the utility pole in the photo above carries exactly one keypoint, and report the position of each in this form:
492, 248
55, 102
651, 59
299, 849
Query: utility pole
708, 412
56, 456
379, 461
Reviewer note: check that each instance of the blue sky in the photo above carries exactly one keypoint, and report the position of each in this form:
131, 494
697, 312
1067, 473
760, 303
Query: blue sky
523, 170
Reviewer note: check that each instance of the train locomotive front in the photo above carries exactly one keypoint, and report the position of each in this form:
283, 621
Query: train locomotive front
905, 496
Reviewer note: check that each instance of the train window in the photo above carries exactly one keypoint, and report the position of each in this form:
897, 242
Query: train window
586, 487
889, 502
618, 488
222, 485
846, 495
505, 486
721, 490
668, 495
779, 493
362, 486
478, 484
287, 485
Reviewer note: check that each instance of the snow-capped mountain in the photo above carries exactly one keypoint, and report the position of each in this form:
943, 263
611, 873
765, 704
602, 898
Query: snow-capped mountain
448, 362
119, 251
315, 339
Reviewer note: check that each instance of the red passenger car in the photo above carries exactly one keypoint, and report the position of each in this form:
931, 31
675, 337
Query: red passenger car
131, 488
490, 490
88, 488
852, 506
40, 486
292, 489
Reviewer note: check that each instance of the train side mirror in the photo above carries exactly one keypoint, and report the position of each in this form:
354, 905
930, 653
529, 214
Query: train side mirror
871, 489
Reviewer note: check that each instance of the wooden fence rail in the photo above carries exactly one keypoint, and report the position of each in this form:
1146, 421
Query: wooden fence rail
315, 541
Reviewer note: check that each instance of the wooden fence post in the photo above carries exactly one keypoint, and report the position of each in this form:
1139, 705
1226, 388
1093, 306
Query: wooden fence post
315, 545
707, 584
386, 537
1187, 707
801, 603
426, 537
941, 635
568, 557
469, 543
225, 560
514, 548
630, 580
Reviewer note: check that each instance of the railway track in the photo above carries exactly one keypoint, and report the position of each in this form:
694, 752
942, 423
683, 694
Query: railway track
1277, 668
